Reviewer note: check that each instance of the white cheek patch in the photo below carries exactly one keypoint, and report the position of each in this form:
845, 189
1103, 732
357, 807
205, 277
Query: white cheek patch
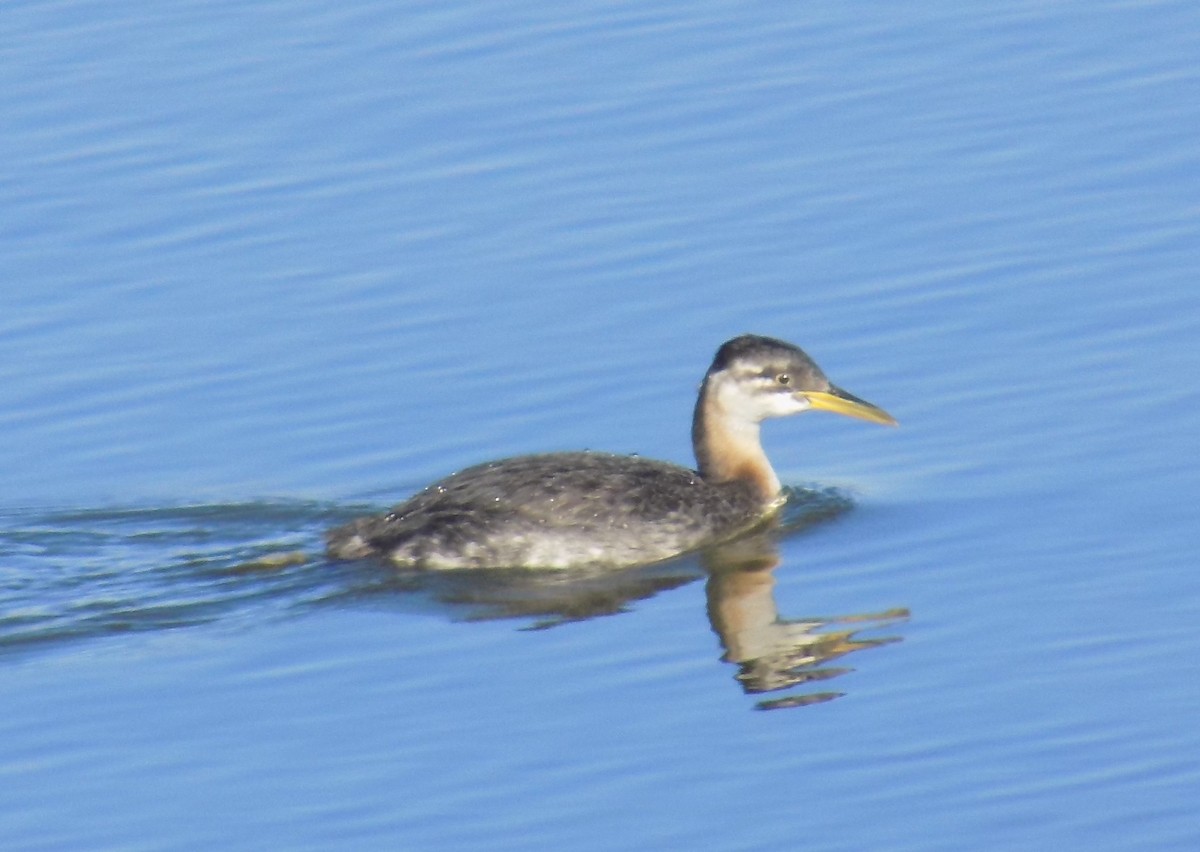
783, 404
732, 398
747, 402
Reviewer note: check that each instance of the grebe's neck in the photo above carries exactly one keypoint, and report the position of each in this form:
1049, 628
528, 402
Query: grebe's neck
728, 447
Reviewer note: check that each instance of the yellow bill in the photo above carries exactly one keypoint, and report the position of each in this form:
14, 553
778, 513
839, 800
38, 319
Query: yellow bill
840, 402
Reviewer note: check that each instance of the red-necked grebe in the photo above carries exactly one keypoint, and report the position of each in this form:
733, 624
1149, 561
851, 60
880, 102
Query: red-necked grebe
561, 510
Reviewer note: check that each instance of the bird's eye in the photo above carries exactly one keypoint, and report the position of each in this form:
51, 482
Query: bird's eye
783, 378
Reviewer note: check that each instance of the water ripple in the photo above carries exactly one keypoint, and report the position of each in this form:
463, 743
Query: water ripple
73, 574
79, 574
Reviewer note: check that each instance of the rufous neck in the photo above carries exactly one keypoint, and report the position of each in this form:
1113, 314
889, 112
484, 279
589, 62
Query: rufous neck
730, 449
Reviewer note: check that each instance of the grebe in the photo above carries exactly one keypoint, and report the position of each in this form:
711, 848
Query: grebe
563, 510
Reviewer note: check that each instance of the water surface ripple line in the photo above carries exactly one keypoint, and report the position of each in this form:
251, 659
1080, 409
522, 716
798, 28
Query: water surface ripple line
80, 574
84, 573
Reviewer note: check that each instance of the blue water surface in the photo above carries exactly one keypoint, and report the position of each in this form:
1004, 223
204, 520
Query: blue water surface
265, 266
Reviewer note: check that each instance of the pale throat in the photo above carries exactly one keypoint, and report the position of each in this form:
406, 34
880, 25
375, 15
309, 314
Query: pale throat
729, 446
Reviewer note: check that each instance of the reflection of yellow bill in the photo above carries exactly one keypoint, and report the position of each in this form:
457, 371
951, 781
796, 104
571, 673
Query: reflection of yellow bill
840, 402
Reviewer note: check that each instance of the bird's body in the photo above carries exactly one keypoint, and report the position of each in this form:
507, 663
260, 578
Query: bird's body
555, 510
560, 510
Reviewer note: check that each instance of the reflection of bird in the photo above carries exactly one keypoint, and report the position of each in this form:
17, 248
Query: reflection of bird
773, 653
566, 509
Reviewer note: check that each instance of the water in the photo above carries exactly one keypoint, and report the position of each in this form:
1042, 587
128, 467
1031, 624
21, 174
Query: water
264, 266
